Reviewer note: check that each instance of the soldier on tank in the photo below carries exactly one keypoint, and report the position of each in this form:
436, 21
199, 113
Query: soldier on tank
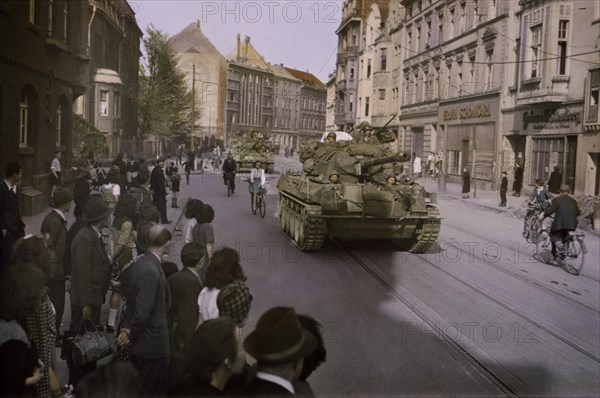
363, 134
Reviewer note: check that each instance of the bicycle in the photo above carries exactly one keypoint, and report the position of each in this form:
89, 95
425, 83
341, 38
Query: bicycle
230, 180
532, 224
571, 255
261, 202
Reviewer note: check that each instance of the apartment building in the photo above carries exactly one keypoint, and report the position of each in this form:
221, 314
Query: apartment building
551, 106
70, 56
286, 109
196, 54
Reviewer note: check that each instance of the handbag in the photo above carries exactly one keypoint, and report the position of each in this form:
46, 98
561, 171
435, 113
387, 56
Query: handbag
89, 345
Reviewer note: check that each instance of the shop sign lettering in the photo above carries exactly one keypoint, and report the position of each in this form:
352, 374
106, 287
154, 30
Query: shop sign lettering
550, 119
473, 112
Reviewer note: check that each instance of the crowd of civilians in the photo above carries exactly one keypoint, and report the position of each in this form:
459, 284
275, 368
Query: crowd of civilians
176, 332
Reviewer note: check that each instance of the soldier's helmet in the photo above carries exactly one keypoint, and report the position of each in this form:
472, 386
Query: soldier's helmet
364, 126
332, 134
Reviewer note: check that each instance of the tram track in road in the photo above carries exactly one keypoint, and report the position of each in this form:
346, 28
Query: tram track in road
503, 378
460, 349
524, 278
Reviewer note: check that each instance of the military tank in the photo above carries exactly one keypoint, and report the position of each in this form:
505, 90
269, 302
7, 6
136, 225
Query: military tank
247, 149
360, 204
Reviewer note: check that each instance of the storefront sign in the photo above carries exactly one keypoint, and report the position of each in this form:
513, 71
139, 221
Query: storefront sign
550, 119
473, 112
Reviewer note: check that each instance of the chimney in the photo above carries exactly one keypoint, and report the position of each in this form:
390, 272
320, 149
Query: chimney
198, 24
238, 47
247, 38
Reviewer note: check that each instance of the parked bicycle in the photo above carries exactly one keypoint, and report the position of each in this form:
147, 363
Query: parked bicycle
532, 225
570, 256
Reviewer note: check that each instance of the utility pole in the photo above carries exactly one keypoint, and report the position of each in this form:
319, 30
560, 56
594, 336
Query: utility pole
193, 132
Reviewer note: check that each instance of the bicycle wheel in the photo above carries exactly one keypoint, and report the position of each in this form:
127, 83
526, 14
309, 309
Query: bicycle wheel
262, 206
535, 227
574, 251
542, 242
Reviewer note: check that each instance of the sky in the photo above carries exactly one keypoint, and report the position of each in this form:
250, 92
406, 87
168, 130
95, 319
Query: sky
300, 34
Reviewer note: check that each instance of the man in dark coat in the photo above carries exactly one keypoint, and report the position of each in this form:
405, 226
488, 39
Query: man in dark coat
503, 189
566, 211
145, 321
518, 181
555, 180
229, 166
81, 191
159, 190
279, 344
12, 226
90, 266
54, 230
185, 288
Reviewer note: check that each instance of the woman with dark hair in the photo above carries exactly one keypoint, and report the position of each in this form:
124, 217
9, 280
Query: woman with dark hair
257, 182
215, 354
224, 269
191, 207
21, 288
203, 232
125, 250
41, 321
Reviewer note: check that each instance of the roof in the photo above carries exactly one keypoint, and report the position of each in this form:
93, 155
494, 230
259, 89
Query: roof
308, 78
281, 71
246, 54
108, 76
192, 40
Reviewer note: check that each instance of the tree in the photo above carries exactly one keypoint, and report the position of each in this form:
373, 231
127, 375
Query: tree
164, 100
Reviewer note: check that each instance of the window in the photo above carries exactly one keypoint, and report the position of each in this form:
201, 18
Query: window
452, 22
418, 39
536, 46
489, 80
459, 80
32, 12
104, 102
368, 68
592, 107
117, 103
382, 93
428, 36
462, 23
366, 106
58, 125
351, 73
383, 59
563, 32
354, 39
408, 45
351, 102
24, 120
440, 27
65, 22
50, 17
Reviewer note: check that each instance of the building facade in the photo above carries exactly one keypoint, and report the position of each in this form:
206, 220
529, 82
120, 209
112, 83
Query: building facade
330, 106
63, 50
550, 122
286, 112
196, 53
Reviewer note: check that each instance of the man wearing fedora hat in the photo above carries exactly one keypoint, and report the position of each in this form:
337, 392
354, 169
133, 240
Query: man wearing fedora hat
90, 266
54, 230
279, 345
566, 211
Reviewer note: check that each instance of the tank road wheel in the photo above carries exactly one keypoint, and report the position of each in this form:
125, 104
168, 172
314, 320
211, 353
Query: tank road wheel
430, 229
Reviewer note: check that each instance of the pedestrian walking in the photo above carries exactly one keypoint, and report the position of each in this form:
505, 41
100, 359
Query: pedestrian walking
179, 153
187, 167
175, 183
466, 183
503, 189
416, 166
55, 172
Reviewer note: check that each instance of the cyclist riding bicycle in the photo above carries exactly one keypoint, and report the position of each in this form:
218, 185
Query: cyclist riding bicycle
565, 210
257, 182
540, 201
229, 167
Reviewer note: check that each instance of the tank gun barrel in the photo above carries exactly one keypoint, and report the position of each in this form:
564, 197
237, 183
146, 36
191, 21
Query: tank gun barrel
397, 157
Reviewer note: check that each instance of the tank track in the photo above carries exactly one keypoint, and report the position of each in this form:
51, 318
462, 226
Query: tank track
301, 223
429, 232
